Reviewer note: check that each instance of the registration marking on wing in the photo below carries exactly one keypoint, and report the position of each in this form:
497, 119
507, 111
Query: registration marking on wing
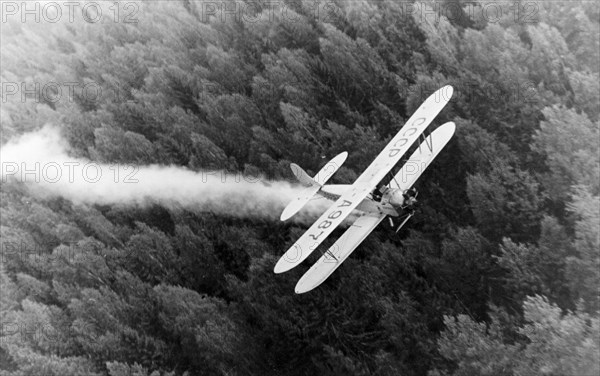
322, 228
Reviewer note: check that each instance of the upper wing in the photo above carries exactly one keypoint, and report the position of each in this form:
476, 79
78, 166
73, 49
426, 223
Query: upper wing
413, 128
338, 252
390, 155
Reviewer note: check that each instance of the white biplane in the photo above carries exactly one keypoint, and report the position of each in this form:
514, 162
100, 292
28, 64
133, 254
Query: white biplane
370, 195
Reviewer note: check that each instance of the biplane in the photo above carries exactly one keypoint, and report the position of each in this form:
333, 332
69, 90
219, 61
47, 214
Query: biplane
376, 194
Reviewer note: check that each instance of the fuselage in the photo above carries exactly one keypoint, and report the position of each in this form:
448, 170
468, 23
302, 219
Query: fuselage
390, 204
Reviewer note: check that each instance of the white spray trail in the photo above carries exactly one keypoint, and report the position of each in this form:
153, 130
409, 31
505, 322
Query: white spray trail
41, 161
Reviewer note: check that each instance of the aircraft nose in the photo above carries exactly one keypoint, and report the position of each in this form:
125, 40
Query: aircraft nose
396, 198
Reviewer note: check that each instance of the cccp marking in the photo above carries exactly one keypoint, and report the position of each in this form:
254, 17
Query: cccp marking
404, 140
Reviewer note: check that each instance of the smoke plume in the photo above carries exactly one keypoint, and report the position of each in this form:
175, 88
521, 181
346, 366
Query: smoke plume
41, 161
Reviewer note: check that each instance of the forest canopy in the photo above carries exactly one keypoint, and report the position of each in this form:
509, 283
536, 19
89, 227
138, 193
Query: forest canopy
498, 274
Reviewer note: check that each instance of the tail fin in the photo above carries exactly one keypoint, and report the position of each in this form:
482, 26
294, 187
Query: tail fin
303, 177
313, 185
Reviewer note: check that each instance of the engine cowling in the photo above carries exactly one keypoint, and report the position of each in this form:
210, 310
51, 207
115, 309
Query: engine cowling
395, 198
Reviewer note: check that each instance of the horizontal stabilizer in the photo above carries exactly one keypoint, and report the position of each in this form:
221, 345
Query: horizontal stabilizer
313, 185
298, 203
330, 168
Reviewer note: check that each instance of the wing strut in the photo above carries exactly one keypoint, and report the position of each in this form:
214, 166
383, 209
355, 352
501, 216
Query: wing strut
331, 255
426, 140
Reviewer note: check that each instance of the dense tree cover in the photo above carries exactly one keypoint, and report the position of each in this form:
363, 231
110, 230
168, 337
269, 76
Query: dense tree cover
497, 275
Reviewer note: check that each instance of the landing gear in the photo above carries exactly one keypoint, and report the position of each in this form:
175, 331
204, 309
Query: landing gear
403, 219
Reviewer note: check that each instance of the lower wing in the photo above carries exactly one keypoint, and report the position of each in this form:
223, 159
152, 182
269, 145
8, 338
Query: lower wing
338, 252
